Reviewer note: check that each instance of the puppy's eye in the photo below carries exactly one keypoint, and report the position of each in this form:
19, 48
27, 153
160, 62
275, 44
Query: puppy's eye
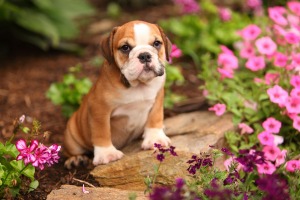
125, 48
157, 44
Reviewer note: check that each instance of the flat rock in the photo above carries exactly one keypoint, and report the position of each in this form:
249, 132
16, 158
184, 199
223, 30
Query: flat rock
192, 132
130, 171
71, 192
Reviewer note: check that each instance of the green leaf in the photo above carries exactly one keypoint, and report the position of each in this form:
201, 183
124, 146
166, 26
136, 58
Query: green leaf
11, 149
33, 185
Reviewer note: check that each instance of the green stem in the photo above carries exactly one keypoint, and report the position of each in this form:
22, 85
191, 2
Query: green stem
23, 169
155, 175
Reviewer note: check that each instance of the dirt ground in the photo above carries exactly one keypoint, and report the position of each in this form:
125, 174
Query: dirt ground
25, 75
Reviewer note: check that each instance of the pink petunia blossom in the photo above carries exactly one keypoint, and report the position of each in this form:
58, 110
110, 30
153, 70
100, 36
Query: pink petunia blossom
271, 152
218, 108
271, 78
272, 125
293, 20
256, 63
228, 61
26, 153
280, 158
280, 59
245, 128
266, 46
42, 156
277, 95
188, 6
295, 81
247, 51
296, 122
275, 14
224, 14
266, 138
225, 73
251, 32
296, 61
292, 38
254, 4
292, 165
293, 105
226, 50
294, 6
266, 168
231, 160
175, 53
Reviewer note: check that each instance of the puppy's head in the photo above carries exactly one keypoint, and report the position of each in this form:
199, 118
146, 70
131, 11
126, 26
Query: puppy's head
139, 49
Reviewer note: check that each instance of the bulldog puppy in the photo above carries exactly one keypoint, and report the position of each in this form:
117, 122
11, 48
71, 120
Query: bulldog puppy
127, 99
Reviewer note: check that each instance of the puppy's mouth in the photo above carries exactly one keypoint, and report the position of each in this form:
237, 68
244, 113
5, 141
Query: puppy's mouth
147, 68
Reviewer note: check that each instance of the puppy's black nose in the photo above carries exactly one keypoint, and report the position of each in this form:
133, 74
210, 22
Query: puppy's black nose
144, 57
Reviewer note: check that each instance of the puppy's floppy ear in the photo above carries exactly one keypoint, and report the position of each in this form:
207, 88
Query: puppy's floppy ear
167, 42
106, 46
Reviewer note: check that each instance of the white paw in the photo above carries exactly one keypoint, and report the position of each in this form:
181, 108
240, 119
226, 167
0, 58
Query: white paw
155, 135
104, 155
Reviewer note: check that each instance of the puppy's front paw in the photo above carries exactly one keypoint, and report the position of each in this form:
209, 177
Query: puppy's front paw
75, 161
104, 155
155, 135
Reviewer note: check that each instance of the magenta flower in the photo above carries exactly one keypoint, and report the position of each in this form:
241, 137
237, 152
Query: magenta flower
280, 59
226, 50
251, 32
292, 38
266, 168
280, 158
254, 4
293, 105
277, 95
271, 152
256, 63
295, 92
272, 125
42, 156
230, 161
247, 51
26, 153
295, 61
176, 52
266, 46
271, 78
293, 165
224, 14
266, 138
53, 150
245, 128
294, 6
295, 81
275, 14
218, 108
188, 6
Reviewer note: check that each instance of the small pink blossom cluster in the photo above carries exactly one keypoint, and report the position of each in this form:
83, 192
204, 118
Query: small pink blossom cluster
37, 154
188, 6
224, 14
175, 53
218, 108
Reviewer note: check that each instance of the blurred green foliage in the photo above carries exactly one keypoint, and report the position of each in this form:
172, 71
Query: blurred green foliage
43, 23
70, 91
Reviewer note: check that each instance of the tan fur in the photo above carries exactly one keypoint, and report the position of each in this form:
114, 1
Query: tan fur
93, 124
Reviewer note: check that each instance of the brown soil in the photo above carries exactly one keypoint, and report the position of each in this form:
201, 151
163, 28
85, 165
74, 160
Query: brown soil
26, 74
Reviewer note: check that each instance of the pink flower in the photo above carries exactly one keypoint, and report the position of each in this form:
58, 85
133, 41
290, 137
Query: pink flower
266, 45
293, 105
53, 150
294, 6
42, 155
225, 73
219, 109
245, 128
295, 60
228, 162
280, 158
296, 122
84, 190
188, 6
293, 20
251, 32
280, 60
271, 152
271, 78
266, 168
175, 53
228, 61
266, 138
256, 63
272, 125
276, 15
205, 93
292, 165
26, 153
254, 4
226, 50
247, 51
277, 95
225, 14
295, 81
278, 140
292, 38
295, 92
